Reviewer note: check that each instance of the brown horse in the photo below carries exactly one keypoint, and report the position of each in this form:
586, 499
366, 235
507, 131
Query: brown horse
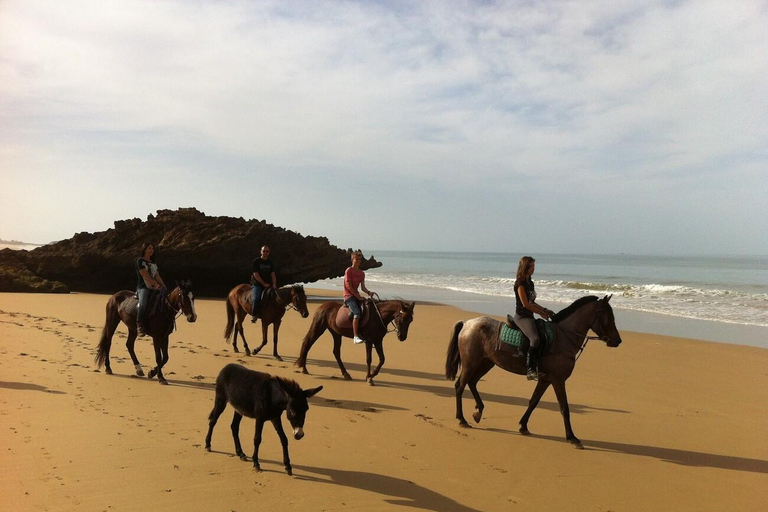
473, 345
395, 312
159, 326
272, 310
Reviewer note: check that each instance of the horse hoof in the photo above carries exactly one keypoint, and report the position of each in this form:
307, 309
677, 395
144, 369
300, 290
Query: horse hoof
576, 444
464, 424
163, 382
304, 371
151, 374
208, 448
248, 352
140, 373
235, 349
108, 371
524, 431
370, 382
289, 471
278, 358
477, 416
346, 376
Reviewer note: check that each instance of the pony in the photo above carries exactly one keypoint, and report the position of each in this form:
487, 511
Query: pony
159, 326
272, 310
386, 312
262, 397
473, 347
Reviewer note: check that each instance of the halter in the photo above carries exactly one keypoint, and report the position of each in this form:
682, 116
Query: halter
288, 304
598, 311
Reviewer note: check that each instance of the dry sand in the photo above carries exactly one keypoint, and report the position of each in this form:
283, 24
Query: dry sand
667, 424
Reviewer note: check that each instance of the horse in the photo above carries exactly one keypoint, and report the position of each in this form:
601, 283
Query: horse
473, 346
262, 397
272, 310
159, 326
395, 312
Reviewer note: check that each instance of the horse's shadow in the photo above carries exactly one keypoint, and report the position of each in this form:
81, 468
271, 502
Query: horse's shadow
672, 455
362, 368
402, 492
25, 386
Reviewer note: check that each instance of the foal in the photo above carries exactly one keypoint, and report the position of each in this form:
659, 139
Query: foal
263, 397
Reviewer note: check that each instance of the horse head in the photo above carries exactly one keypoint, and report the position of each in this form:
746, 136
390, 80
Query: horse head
299, 300
187, 300
403, 319
605, 323
297, 406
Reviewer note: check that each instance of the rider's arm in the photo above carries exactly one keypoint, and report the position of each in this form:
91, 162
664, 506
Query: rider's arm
366, 290
151, 283
274, 281
160, 280
531, 306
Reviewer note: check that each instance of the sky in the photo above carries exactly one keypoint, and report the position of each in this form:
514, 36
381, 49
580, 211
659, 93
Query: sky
606, 127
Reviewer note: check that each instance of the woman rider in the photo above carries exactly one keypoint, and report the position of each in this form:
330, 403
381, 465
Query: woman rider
149, 280
525, 307
354, 277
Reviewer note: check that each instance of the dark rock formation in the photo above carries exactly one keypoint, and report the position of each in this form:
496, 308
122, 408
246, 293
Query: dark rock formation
214, 252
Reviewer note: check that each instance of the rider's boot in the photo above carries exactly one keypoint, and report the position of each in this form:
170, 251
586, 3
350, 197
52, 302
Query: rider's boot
532, 363
255, 315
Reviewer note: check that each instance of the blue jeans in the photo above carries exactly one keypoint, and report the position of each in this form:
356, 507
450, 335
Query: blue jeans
354, 307
256, 291
144, 294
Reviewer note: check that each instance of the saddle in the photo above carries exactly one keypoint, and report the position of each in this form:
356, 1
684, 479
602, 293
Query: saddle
266, 293
130, 306
511, 339
344, 316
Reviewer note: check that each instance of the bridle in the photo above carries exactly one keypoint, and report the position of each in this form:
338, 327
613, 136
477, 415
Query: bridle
599, 311
395, 317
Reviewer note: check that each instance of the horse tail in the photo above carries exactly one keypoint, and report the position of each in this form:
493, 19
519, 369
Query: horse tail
230, 320
453, 358
110, 324
318, 327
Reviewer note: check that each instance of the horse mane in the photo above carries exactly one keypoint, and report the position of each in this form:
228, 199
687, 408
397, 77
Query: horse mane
578, 303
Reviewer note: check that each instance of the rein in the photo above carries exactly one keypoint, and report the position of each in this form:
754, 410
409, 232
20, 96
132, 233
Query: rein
587, 338
386, 326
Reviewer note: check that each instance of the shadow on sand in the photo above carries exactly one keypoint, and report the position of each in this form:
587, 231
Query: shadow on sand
25, 386
401, 492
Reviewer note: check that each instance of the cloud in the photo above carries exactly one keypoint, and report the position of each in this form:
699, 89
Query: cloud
604, 97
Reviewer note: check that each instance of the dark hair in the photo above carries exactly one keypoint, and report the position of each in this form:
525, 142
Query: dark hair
144, 249
524, 267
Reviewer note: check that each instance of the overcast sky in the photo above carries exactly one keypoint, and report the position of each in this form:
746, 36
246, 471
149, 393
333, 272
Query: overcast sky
571, 127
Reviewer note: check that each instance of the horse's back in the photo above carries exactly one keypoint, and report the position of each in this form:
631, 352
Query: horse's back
243, 388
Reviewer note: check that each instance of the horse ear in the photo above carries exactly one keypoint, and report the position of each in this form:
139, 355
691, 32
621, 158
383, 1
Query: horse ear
607, 298
309, 393
413, 305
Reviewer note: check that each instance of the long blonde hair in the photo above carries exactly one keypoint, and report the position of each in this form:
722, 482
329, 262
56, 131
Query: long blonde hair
523, 269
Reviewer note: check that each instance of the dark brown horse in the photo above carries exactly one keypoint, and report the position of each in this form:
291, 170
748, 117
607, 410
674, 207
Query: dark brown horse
384, 313
272, 310
159, 326
473, 347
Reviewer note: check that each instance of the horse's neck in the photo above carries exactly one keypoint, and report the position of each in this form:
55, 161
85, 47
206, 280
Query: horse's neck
575, 327
174, 298
283, 297
388, 309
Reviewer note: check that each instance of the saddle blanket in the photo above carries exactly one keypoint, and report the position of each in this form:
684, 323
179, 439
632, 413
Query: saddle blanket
344, 316
130, 306
510, 337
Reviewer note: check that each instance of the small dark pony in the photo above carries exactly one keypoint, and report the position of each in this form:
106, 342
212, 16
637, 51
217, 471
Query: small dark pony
159, 326
272, 310
473, 347
384, 313
263, 397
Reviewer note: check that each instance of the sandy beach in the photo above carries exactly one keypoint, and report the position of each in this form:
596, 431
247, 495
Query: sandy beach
667, 424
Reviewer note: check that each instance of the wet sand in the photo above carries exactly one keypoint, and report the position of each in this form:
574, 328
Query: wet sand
667, 424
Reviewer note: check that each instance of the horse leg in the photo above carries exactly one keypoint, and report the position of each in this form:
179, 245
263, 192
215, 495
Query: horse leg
284, 441
541, 387
129, 344
264, 331
219, 404
461, 383
379, 346
275, 329
562, 399
164, 352
235, 427
478, 374
257, 444
337, 355
368, 359
316, 329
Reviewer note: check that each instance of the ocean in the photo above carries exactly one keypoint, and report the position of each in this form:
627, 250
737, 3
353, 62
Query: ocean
717, 298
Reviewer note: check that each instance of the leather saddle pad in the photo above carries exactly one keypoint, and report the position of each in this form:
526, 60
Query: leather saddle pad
344, 316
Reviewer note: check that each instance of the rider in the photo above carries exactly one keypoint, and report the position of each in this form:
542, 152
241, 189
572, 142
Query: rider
354, 277
149, 280
262, 276
525, 307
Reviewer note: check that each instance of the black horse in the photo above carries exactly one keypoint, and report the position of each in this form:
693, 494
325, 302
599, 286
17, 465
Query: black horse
263, 397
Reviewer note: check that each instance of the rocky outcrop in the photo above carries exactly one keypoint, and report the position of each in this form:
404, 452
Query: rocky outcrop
16, 277
214, 252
